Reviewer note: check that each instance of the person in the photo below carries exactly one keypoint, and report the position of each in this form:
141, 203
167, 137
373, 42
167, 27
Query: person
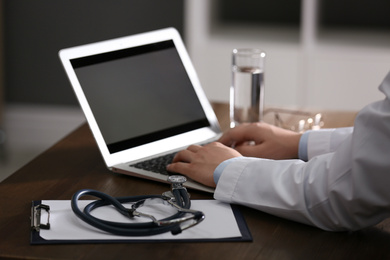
334, 179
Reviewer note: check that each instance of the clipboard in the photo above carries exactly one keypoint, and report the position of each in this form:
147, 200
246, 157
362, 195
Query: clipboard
49, 217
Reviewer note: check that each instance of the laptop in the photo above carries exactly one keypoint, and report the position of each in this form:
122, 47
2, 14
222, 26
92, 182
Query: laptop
142, 100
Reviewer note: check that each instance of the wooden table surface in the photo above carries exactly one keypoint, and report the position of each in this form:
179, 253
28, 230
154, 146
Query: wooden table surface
75, 163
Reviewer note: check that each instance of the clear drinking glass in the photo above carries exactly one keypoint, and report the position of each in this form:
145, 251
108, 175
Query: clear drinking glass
247, 89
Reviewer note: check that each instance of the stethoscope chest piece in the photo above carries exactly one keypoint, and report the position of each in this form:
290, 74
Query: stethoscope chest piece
178, 180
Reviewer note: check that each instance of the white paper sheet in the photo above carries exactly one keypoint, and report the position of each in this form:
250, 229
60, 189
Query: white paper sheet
65, 225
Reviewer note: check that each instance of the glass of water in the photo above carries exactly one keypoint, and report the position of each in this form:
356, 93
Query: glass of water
247, 88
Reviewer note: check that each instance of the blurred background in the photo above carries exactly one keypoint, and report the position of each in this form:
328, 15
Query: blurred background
321, 54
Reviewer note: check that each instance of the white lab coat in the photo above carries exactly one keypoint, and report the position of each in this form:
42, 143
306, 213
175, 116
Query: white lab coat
345, 184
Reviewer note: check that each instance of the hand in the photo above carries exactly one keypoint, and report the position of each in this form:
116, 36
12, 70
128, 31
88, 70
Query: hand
263, 141
199, 162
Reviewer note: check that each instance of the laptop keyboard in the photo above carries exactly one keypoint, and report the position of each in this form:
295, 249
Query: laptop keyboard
157, 164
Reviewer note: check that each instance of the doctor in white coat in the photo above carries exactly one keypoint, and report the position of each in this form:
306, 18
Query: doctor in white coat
334, 179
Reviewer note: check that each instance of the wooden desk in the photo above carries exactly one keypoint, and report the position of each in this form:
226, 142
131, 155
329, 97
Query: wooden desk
75, 163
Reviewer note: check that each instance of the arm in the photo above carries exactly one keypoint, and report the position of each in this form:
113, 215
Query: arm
262, 140
257, 140
344, 189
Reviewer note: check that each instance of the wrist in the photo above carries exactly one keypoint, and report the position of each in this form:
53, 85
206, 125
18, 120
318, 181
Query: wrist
219, 170
302, 146
297, 141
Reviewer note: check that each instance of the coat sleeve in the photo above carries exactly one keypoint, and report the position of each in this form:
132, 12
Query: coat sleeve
326, 140
343, 186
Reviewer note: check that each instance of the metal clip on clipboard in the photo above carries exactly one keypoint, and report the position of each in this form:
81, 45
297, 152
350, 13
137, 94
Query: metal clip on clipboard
36, 217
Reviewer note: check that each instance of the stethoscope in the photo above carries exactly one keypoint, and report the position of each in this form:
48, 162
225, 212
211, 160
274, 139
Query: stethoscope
179, 198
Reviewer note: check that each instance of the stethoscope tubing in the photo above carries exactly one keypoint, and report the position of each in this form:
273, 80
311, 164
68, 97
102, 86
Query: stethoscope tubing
127, 229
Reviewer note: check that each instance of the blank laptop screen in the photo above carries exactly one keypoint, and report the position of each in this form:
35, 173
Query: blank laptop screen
139, 95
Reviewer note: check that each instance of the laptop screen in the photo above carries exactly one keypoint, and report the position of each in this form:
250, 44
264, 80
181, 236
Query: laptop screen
139, 95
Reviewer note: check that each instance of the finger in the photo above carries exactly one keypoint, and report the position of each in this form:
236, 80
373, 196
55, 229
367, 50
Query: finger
183, 156
194, 148
179, 167
228, 138
236, 135
262, 150
248, 150
213, 144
